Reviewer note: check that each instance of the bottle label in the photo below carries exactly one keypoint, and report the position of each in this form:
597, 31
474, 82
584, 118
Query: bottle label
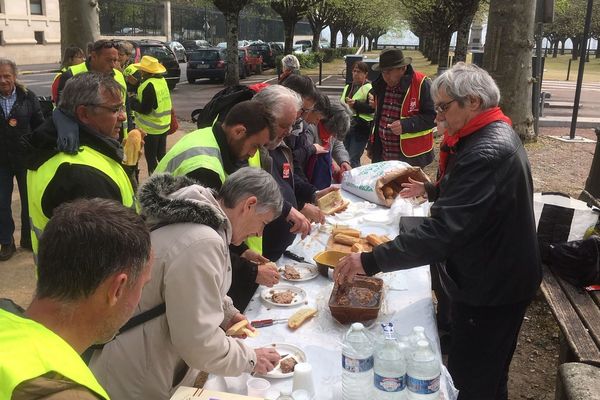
389, 384
357, 364
423, 386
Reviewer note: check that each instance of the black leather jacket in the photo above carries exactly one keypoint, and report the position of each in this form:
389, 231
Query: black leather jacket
482, 227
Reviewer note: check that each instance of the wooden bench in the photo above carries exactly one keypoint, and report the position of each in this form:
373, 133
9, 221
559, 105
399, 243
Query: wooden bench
578, 315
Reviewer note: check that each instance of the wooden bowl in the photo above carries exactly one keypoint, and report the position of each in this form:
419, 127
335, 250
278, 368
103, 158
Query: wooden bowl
350, 311
328, 259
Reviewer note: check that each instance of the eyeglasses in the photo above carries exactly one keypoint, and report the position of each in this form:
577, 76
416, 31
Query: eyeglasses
105, 44
306, 110
443, 107
113, 109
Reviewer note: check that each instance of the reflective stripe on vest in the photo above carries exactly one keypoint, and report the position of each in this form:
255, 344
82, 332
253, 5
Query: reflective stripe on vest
129, 70
197, 149
159, 119
29, 350
413, 144
255, 242
38, 180
361, 95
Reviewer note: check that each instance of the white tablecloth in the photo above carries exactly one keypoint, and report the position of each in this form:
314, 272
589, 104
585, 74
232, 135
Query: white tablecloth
407, 303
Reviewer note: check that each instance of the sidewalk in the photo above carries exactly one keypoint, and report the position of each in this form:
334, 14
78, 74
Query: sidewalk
29, 69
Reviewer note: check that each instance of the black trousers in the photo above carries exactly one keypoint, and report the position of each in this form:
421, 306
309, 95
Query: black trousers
155, 148
483, 343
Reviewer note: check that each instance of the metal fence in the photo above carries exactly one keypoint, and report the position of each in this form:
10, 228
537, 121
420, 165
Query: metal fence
131, 18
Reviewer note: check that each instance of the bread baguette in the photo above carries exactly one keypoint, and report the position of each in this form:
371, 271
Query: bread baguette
332, 203
300, 316
346, 231
385, 238
357, 248
345, 239
241, 328
374, 240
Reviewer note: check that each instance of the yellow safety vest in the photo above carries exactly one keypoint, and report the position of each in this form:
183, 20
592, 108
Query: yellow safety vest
38, 180
29, 350
118, 75
360, 95
159, 119
200, 149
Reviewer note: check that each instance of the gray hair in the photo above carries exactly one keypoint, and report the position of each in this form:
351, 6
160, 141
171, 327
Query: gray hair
338, 119
467, 80
290, 62
125, 47
275, 98
247, 182
86, 89
11, 63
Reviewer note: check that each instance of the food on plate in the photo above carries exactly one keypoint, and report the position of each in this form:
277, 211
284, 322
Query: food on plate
291, 273
287, 365
374, 240
332, 203
300, 316
357, 248
346, 231
240, 329
345, 239
283, 297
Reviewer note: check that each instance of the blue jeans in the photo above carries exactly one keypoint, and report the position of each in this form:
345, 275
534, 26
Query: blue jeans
7, 225
355, 144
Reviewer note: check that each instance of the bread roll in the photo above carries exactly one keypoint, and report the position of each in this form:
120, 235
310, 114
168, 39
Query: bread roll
374, 240
345, 239
346, 231
357, 248
131, 147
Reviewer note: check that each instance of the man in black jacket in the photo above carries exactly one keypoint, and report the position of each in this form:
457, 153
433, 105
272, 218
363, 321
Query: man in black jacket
481, 232
19, 114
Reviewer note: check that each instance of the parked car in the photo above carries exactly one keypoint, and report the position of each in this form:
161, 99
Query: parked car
178, 50
222, 45
301, 49
162, 53
244, 56
255, 60
305, 43
192, 45
269, 52
208, 63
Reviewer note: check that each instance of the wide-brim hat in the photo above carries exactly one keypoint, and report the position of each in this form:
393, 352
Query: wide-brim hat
151, 65
391, 58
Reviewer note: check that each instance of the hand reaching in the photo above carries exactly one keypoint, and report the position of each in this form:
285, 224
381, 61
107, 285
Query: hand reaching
412, 188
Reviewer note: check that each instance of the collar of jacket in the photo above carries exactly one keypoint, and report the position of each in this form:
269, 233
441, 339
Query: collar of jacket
229, 164
167, 199
40, 145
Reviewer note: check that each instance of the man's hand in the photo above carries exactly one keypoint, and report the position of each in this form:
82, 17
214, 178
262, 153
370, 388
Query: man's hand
350, 102
320, 149
267, 275
371, 100
395, 127
300, 224
412, 188
254, 257
313, 213
345, 166
266, 359
347, 267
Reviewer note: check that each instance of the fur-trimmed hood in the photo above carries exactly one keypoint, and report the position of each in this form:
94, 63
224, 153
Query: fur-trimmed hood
167, 199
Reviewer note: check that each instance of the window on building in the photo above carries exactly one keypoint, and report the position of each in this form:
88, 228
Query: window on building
39, 37
35, 7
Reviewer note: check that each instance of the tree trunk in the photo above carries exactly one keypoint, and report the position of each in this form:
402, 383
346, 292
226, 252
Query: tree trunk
444, 49
357, 40
598, 48
462, 39
555, 48
575, 52
289, 25
333, 42
372, 43
345, 38
435, 50
316, 38
79, 23
562, 47
507, 58
232, 72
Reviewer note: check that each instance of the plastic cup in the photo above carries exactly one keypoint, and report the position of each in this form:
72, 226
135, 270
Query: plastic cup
258, 387
303, 379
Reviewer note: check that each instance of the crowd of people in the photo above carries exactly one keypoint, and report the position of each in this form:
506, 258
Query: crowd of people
186, 251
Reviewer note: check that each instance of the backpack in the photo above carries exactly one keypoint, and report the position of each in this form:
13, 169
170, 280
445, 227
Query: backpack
220, 104
577, 262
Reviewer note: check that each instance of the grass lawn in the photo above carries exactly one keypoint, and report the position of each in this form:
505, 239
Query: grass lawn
554, 68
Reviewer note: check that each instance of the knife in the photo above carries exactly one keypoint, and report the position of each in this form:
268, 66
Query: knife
293, 256
261, 323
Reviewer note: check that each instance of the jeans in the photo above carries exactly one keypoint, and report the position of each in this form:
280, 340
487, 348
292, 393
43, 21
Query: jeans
7, 225
356, 141
155, 148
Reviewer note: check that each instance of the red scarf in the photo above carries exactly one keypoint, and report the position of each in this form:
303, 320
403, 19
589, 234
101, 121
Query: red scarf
448, 145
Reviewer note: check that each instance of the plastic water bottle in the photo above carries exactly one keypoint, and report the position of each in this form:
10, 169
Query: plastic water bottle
389, 378
418, 333
357, 364
423, 373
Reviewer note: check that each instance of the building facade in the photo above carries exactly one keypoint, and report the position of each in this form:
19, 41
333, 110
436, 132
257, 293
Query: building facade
30, 31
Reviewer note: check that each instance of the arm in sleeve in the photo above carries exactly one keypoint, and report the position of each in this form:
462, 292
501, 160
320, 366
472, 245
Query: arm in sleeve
339, 152
148, 102
75, 181
37, 118
62, 81
242, 269
457, 217
195, 319
206, 177
363, 107
425, 119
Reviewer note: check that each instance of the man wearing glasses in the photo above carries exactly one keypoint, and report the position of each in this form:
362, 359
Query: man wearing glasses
56, 177
404, 114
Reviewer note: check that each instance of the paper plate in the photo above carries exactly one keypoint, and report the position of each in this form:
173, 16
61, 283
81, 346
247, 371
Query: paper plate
307, 271
299, 295
288, 350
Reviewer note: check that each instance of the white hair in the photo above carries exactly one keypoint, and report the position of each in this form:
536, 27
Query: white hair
290, 62
248, 181
275, 98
